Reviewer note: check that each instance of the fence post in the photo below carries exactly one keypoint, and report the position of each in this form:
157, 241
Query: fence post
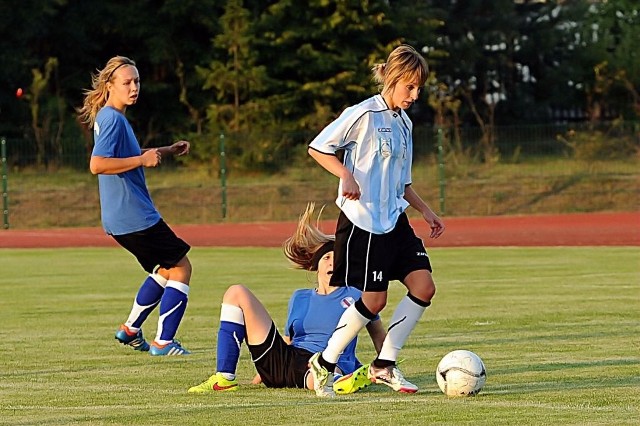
5, 195
223, 176
441, 176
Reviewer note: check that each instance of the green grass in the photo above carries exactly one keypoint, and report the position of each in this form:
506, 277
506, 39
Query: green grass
193, 194
558, 330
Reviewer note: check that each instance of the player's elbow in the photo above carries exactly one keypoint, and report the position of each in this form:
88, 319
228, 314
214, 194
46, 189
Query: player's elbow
94, 166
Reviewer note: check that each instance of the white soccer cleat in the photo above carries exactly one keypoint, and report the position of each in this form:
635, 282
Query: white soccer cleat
392, 377
322, 379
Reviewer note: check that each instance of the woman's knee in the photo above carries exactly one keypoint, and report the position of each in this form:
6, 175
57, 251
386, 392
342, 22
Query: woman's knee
374, 301
421, 285
236, 294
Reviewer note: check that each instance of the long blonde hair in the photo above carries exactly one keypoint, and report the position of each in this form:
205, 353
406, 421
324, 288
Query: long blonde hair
96, 98
306, 241
403, 62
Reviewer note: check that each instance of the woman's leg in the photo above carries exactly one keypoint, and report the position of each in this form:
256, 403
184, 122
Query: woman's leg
173, 303
242, 317
181, 272
257, 320
411, 307
420, 285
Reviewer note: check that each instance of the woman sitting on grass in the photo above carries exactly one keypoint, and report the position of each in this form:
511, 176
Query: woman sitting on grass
283, 361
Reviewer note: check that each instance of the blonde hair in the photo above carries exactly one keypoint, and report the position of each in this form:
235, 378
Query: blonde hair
403, 62
308, 238
96, 98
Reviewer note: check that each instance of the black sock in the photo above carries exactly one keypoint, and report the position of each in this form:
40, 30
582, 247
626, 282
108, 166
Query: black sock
363, 310
329, 366
382, 363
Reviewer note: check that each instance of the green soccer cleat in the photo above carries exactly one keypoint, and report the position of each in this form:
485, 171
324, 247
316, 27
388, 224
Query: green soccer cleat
215, 383
352, 382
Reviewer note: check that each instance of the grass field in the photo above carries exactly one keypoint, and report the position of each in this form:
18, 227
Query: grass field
67, 198
558, 330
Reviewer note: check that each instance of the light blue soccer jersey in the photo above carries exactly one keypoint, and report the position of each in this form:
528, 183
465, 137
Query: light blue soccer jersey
378, 149
125, 202
312, 318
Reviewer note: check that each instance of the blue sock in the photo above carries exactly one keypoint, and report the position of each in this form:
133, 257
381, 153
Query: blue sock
147, 299
172, 307
230, 336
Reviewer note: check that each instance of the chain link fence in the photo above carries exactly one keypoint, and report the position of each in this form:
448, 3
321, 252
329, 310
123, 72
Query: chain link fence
459, 172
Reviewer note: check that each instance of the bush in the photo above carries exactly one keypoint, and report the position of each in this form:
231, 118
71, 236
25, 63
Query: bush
593, 145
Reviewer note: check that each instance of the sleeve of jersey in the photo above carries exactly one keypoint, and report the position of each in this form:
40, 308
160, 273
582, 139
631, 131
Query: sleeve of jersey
104, 134
333, 137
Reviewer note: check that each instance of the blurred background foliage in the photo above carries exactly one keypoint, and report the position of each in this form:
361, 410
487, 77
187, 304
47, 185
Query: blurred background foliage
271, 74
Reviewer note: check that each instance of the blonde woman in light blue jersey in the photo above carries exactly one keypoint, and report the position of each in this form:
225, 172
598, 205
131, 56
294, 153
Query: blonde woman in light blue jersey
375, 242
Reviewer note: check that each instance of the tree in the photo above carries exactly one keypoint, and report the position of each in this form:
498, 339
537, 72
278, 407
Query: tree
611, 31
235, 79
325, 52
479, 37
47, 114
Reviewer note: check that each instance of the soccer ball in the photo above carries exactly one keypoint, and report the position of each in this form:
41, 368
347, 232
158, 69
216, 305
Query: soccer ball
461, 373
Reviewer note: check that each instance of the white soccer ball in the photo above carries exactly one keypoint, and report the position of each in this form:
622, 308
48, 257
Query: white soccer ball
461, 373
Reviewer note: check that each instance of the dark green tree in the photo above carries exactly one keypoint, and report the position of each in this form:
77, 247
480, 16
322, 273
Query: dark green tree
319, 52
611, 31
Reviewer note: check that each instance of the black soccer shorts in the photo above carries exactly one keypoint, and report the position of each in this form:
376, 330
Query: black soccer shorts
369, 261
280, 365
154, 246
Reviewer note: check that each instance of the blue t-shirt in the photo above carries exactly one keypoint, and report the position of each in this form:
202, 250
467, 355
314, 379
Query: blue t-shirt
125, 202
312, 318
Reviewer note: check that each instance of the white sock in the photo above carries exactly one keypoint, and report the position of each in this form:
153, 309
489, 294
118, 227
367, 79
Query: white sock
403, 322
231, 313
350, 324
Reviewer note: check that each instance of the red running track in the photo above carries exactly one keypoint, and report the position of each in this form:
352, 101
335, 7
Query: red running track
581, 229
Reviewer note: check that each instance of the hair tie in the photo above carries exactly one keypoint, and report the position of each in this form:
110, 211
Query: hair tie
324, 249
114, 70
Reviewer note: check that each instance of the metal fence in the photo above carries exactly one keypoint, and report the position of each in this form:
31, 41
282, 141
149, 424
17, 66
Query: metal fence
529, 170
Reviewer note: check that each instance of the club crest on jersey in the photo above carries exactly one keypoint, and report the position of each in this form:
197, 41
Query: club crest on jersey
347, 301
385, 147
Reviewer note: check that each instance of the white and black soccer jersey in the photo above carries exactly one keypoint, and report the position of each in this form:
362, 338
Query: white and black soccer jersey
378, 149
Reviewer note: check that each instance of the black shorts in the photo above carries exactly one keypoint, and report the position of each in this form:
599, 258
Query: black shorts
369, 261
154, 246
280, 365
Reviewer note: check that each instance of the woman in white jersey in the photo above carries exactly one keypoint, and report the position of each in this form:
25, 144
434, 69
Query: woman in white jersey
127, 211
374, 241
312, 315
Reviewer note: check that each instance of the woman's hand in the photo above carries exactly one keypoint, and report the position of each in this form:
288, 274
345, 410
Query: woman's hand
435, 223
350, 188
180, 148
